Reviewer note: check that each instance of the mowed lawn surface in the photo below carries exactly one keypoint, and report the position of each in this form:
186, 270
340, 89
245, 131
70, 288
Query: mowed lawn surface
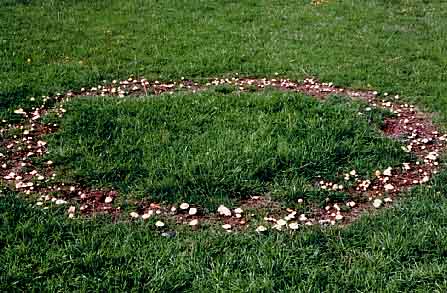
213, 148
395, 46
53, 46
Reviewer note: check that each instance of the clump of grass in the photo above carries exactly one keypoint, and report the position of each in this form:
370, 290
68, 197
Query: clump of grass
225, 89
210, 148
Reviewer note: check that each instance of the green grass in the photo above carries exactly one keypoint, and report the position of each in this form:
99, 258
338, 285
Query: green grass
394, 46
400, 250
209, 148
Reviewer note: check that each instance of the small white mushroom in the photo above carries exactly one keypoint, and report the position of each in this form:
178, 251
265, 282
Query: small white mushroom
60, 201
432, 156
261, 229
350, 204
184, 206
294, 226
194, 222
238, 211
222, 210
377, 203
281, 222
134, 215
387, 171
302, 218
159, 224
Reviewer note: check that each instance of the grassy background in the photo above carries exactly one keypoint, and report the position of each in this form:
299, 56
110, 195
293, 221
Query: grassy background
210, 148
402, 249
396, 46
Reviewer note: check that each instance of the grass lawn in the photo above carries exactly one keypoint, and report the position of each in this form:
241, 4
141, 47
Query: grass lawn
210, 148
217, 147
